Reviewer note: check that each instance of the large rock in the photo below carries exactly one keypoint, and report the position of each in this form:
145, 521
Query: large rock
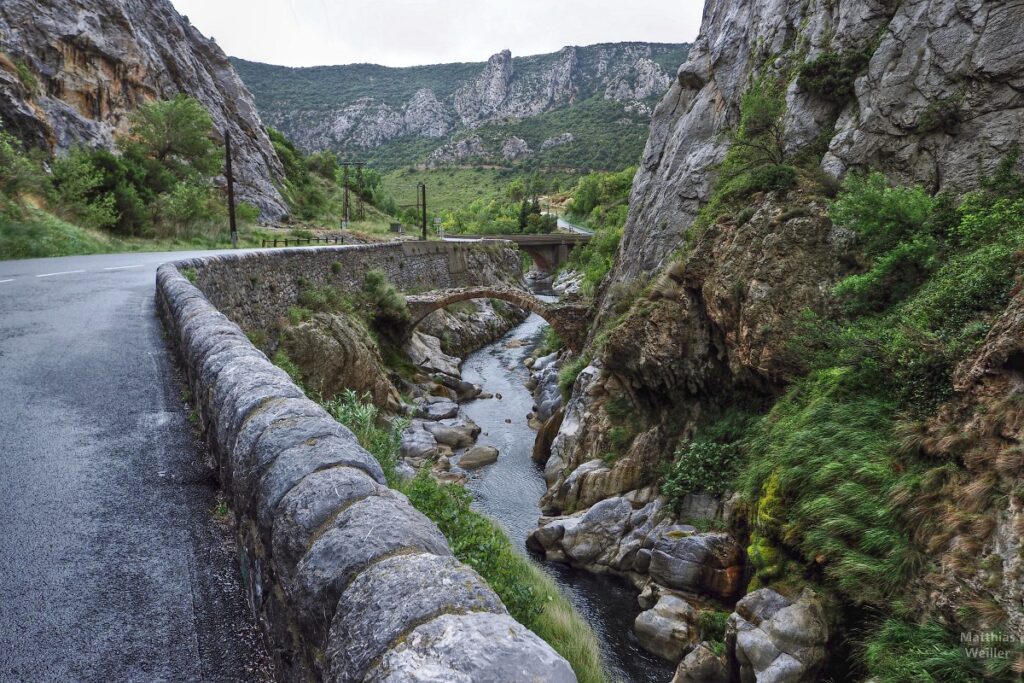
702, 665
774, 639
336, 353
424, 350
669, 628
478, 456
418, 444
701, 563
95, 62
458, 432
919, 68
479, 647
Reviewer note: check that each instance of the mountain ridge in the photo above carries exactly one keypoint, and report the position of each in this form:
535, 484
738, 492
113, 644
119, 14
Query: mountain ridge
389, 113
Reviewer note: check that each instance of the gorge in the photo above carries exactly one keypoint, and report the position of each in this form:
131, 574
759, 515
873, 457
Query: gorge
774, 430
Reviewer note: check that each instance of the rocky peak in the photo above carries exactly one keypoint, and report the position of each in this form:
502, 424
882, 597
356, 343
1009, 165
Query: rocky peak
481, 98
94, 62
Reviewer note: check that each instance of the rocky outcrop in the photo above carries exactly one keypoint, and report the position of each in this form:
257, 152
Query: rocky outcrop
92, 63
939, 102
558, 141
335, 352
775, 639
641, 542
514, 149
458, 153
350, 582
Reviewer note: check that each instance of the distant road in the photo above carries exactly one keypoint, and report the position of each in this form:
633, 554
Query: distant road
566, 225
112, 567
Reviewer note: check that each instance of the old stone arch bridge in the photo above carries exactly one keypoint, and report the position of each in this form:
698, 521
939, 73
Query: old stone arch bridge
568, 319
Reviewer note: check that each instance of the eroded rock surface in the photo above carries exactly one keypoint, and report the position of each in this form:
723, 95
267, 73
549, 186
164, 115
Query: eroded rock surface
95, 62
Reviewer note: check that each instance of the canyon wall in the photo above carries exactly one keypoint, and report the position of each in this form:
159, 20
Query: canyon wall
72, 72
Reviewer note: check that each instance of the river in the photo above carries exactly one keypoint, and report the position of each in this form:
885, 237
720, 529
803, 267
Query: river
509, 492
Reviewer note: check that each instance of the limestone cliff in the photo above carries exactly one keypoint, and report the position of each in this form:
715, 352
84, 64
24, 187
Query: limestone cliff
72, 71
939, 101
499, 111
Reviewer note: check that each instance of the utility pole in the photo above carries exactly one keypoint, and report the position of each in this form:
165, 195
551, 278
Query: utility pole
423, 191
359, 184
345, 217
231, 190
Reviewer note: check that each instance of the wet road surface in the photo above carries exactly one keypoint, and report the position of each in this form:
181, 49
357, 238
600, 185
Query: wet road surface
112, 564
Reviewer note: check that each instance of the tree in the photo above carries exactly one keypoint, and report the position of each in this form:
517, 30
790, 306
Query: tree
177, 134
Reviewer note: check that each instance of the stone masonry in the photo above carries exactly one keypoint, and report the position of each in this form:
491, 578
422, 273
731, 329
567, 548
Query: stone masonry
349, 581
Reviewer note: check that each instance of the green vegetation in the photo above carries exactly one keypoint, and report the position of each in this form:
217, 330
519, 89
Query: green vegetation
569, 372
601, 202
831, 75
830, 483
447, 189
711, 460
531, 597
379, 305
905, 652
156, 193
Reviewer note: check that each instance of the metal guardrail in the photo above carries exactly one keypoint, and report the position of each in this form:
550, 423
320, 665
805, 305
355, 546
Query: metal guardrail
299, 241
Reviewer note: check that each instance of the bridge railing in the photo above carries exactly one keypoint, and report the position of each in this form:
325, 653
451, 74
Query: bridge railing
298, 242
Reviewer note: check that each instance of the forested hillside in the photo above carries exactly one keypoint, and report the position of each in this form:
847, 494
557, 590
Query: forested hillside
580, 108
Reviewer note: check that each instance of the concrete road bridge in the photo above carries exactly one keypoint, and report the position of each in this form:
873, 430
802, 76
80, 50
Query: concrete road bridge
547, 251
569, 320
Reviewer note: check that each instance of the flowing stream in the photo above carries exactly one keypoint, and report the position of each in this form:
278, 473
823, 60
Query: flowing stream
509, 491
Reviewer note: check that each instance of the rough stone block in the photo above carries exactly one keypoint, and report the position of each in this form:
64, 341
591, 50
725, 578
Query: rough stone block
364, 532
311, 503
478, 647
394, 596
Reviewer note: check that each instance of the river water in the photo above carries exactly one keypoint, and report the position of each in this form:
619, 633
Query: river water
509, 492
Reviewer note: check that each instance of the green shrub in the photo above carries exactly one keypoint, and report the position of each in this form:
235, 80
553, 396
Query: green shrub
701, 467
712, 625
897, 651
387, 305
568, 373
832, 75
25, 75
882, 216
19, 174
77, 186
827, 456
326, 299
360, 415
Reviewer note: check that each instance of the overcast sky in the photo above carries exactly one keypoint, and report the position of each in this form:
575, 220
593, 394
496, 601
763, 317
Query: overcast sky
409, 32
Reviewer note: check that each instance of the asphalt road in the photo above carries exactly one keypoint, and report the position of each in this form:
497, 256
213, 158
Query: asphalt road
112, 565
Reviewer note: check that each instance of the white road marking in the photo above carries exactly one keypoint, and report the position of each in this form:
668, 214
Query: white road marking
3, 281
66, 272
125, 267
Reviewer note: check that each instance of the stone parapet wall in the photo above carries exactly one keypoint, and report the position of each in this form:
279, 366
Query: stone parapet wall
255, 288
349, 581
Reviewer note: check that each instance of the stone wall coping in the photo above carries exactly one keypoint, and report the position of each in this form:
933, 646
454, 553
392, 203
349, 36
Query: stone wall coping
316, 522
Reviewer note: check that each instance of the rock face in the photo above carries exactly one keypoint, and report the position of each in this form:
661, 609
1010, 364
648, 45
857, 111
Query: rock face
335, 353
935, 61
94, 62
456, 100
